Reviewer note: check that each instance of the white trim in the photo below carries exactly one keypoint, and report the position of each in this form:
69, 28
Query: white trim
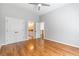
12, 43
64, 43
3, 44
54, 41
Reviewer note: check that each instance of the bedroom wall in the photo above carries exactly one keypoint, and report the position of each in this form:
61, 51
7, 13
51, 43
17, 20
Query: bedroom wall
11, 10
2, 26
62, 24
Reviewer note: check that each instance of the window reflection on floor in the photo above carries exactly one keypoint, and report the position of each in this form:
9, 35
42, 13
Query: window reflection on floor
37, 44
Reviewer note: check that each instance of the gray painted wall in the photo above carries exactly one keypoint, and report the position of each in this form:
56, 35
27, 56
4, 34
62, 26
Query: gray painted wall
11, 10
62, 24
2, 26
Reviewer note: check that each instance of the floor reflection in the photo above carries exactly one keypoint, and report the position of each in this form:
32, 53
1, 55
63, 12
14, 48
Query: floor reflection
35, 44
30, 45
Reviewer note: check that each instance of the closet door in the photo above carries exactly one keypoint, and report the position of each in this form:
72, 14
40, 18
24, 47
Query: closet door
15, 29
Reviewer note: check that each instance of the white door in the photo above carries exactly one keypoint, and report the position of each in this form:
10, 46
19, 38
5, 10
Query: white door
15, 29
37, 30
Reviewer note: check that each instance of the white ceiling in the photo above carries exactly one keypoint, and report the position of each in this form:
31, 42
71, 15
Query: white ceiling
43, 10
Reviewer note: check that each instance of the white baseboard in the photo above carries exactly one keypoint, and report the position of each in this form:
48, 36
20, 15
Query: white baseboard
64, 43
12, 43
52, 40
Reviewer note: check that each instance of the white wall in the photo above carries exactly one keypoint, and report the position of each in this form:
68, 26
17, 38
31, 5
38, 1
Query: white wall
62, 24
11, 10
2, 26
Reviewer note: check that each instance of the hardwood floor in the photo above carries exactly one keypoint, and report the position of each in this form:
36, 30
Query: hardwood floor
38, 48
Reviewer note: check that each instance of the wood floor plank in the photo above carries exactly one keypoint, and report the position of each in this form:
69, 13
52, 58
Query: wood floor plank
38, 48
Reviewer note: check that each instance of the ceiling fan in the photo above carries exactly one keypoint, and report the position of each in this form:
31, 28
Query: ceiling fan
39, 5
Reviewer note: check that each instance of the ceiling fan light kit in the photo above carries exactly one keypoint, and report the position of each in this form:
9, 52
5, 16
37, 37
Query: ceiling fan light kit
39, 5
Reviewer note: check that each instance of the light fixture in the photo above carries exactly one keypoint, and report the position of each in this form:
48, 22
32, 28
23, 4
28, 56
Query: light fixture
39, 5
30, 25
30, 30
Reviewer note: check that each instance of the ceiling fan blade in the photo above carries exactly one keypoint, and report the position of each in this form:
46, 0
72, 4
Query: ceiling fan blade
43, 4
34, 3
